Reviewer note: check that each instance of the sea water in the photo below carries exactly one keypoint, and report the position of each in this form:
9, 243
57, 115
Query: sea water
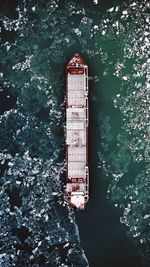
37, 40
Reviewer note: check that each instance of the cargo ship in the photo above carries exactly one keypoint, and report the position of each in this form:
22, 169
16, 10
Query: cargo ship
77, 123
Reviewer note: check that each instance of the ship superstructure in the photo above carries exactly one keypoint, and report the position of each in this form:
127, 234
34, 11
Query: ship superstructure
77, 122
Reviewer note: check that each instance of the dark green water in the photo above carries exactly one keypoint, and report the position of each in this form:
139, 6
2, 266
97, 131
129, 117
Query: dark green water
104, 239
37, 41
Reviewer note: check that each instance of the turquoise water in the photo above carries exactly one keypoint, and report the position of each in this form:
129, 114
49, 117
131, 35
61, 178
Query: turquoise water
37, 40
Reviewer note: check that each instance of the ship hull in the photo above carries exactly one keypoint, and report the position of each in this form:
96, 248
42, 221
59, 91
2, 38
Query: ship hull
77, 124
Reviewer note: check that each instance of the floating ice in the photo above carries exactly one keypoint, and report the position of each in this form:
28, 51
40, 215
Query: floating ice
133, 4
125, 78
111, 9
77, 31
18, 182
146, 40
136, 234
33, 8
46, 217
35, 171
10, 164
147, 19
124, 12
95, 27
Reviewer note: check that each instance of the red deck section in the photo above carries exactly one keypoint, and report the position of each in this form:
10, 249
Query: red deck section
73, 70
75, 65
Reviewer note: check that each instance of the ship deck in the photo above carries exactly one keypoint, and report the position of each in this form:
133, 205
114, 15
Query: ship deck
76, 125
77, 182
